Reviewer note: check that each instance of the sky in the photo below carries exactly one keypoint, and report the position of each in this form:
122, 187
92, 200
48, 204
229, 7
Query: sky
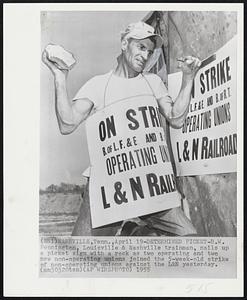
94, 40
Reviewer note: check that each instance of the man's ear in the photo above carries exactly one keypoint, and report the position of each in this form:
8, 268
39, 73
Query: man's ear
124, 44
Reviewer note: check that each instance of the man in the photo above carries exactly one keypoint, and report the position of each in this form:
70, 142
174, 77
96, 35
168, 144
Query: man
127, 80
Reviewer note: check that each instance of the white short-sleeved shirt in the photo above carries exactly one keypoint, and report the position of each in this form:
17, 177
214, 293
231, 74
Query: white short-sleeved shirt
108, 88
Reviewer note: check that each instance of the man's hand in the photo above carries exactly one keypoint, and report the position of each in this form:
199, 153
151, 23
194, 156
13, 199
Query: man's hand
69, 114
56, 71
189, 65
180, 107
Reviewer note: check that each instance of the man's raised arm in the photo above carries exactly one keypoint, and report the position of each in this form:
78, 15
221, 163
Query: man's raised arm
69, 114
176, 116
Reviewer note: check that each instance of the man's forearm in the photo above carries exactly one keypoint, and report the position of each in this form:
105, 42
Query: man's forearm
63, 106
180, 107
182, 101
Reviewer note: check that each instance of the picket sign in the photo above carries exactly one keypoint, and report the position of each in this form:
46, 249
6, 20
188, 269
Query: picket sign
131, 173
207, 142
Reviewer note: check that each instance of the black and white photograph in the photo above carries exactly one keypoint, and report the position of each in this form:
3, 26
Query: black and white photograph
94, 59
139, 143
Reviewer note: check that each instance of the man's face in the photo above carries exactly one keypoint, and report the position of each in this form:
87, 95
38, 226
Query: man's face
137, 53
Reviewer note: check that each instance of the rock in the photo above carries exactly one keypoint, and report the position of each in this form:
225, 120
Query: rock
63, 58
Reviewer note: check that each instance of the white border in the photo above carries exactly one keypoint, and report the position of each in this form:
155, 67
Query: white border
21, 167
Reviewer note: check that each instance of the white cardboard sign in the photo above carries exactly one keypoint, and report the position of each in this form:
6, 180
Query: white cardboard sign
131, 174
207, 142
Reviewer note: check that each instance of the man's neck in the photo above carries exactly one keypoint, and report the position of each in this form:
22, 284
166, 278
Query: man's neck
123, 70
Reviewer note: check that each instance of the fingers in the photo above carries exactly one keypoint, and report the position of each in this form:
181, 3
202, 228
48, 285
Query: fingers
44, 57
49, 64
198, 63
189, 65
193, 61
46, 60
189, 61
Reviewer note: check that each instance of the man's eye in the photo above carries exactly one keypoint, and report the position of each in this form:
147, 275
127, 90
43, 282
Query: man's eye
141, 47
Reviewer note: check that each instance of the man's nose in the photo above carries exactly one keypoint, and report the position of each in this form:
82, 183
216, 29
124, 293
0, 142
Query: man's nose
145, 55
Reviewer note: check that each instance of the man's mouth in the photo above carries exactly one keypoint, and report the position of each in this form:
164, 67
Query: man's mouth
140, 62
